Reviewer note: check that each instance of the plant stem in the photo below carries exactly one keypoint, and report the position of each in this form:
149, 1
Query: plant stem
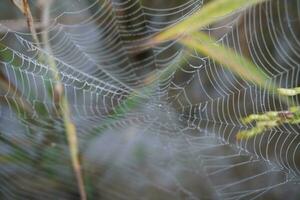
61, 99
58, 90
73, 146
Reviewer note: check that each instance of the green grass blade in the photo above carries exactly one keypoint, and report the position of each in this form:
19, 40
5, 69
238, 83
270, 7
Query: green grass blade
206, 15
236, 63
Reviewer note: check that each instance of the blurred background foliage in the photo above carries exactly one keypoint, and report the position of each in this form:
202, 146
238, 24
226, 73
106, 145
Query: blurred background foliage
124, 157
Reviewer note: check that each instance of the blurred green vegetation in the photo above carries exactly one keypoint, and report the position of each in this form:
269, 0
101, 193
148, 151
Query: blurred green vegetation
51, 148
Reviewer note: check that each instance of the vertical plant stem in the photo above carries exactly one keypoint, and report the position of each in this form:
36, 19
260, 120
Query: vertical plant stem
24, 7
59, 97
73, 146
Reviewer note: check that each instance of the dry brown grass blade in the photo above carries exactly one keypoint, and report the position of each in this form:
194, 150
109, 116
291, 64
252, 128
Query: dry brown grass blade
24, 7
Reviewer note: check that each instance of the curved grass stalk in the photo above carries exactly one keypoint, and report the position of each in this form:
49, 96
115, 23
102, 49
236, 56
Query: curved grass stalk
207, 15
236, 63
58, 92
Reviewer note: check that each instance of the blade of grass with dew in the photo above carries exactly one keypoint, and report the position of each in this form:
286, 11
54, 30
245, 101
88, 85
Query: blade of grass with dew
206, 15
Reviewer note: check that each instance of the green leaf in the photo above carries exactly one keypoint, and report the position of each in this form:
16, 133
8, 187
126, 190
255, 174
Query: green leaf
238, 64
208, 14
289, 91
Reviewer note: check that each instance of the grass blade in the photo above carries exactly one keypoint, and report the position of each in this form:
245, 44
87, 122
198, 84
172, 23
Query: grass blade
208, 14
226, 56
24, 7
59, 97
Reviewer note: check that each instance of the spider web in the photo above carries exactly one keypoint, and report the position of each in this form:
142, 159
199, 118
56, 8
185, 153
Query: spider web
177, 143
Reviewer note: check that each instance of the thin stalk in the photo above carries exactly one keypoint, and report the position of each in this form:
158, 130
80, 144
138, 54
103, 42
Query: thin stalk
24, 7
61, 99
58, 91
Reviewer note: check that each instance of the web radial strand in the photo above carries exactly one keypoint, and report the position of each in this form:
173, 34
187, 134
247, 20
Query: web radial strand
187, 125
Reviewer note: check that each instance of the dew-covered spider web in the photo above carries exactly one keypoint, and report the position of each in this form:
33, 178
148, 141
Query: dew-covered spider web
178, 141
